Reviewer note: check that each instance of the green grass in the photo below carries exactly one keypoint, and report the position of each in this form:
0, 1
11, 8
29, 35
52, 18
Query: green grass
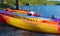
30, 2
5, 6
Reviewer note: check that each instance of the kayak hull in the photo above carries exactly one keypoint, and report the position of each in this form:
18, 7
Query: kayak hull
30, 25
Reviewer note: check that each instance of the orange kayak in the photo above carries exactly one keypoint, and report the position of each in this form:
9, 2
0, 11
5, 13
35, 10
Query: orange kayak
22, 12
17, 11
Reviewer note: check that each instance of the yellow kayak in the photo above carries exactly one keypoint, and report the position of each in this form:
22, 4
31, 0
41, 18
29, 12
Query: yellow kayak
32, 24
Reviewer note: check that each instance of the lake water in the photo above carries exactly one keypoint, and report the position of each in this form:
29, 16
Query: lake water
44, 11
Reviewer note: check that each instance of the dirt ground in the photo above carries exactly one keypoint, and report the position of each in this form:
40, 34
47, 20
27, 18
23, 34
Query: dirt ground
6, 30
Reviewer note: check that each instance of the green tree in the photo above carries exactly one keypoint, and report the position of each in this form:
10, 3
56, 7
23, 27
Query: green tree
2, 2
17, 5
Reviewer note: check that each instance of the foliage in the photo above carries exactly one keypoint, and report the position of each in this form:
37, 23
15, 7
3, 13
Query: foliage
31, 2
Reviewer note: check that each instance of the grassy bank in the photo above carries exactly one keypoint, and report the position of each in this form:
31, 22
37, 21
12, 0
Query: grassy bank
32, 2
11, 3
